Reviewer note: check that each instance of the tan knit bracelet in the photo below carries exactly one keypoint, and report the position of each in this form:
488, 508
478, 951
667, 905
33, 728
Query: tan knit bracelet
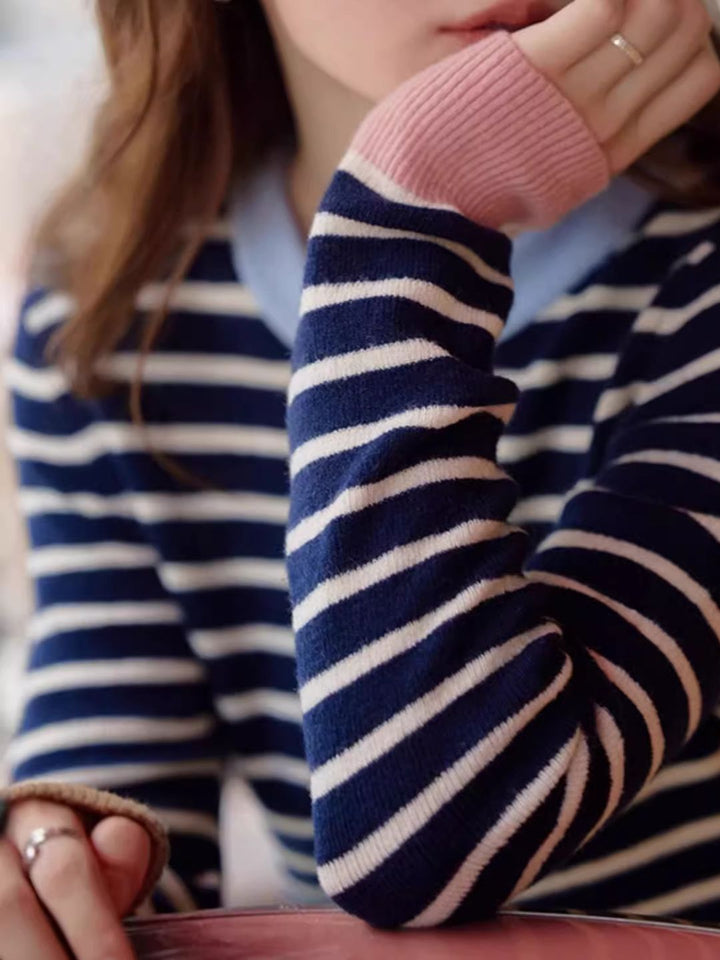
94, 805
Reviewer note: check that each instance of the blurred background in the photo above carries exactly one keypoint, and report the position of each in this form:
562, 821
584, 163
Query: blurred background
50, 81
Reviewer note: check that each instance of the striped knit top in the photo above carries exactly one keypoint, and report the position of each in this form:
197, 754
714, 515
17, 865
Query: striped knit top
503, 566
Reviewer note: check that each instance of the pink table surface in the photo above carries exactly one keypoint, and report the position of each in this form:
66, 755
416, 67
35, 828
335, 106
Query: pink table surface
328, 935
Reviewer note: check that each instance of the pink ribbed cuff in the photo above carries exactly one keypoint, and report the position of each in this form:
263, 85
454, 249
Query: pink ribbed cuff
485, 132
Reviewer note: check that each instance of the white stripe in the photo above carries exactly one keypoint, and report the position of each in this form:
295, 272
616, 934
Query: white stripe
197, 296
201, 369
622, 680
546, 373
99, 439
613, 745
600, 298
614, 748
271, 766
176, 892
350, 438
378, 652
341, 587
641, 854
94, 731
665, 321
332, 225
421, 292
356, 499
44, 383
218, 574
344, 366
222, 299
49, 384
379, 182
684, 898
188, 822
701, 252
543, 509
209, 880
639, 697
61, 618
301, 828
694, 418
52, 309
514, 816
547, 508
403, 724
692, 462
678, 776
679, 222
614, 401
82, 675
357, 863
74, 558
278, 704
250, 638
126, 774
711, 524
575, 787
664, 569
158, 507
560, 439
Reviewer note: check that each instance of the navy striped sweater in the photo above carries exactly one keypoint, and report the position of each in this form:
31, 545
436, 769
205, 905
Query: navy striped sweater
503, 564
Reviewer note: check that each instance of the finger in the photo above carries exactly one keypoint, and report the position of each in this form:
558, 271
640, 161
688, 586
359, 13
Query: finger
673, 107
664, 67
67, 880
25, 933
648, 26
122, 849
570, 35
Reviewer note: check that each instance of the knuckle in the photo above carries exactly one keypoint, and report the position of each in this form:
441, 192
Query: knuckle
609, 14
667, 15
61, 868
106, 943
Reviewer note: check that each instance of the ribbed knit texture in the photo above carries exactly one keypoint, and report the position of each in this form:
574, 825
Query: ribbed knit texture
484, 131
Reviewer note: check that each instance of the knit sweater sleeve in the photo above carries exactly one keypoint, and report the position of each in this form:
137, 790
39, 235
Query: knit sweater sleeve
113, 696
472, 715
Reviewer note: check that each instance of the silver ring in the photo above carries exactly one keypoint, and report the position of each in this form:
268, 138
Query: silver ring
38, 838
628, 49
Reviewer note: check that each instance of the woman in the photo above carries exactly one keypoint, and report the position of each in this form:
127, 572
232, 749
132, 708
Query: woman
476, 711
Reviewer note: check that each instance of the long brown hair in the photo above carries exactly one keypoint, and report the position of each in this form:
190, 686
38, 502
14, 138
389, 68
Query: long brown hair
195, 97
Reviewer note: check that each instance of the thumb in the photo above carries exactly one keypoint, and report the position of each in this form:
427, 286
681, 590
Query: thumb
122, 848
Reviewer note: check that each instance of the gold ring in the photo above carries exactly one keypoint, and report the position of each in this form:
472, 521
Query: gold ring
628, 49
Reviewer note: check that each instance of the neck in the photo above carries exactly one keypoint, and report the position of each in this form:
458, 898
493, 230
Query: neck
326, 117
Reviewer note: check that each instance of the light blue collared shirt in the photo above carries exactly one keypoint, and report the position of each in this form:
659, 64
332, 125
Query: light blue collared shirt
269, 251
